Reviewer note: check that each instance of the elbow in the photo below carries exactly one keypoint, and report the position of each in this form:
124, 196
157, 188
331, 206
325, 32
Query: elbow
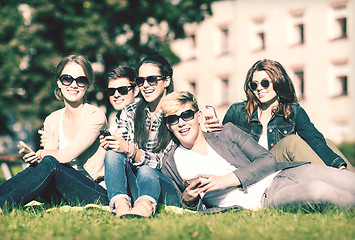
270, 163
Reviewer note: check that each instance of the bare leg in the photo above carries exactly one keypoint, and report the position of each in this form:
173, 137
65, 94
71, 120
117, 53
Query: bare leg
122, 207
143, 207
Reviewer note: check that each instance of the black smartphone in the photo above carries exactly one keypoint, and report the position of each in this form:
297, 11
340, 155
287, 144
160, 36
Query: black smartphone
211, 111
189, 181
105, 133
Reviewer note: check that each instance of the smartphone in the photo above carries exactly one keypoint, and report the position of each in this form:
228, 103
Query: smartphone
211, 111
21, 145
105, 133
189, 181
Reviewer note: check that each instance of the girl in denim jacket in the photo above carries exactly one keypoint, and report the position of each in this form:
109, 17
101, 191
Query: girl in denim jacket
273, 117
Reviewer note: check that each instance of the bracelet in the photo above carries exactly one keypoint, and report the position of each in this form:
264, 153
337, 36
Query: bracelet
40, 154
134, 153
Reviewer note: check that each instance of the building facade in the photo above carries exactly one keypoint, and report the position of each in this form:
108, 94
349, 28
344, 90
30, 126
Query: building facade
313, 40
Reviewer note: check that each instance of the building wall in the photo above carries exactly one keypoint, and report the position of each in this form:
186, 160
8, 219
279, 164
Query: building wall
217, 54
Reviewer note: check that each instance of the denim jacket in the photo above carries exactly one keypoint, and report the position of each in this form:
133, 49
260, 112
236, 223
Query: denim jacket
278, 128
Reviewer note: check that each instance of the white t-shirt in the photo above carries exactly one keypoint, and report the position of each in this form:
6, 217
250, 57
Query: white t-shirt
189, 164
63, 142
263, 141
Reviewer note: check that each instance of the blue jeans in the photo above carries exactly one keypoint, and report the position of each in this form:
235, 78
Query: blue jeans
50, 180
124, 180
311, 187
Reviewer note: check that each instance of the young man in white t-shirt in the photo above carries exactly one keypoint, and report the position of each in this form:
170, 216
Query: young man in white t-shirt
228, 168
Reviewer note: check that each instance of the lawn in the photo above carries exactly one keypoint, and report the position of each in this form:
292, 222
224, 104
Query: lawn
52, 222
39, 223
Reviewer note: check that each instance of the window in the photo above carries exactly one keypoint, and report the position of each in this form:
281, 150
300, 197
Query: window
191, 41
298, 29
221, 41
224, 41
224, 91
220, 90
261, 37
193, 87
341, 25
299, 84
338, 85
342, 82
339, 21
258, 35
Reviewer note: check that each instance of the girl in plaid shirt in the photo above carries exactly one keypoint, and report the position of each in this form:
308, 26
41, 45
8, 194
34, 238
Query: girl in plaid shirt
136, 147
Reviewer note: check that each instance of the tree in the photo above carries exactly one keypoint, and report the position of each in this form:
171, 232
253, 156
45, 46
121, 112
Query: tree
36, 35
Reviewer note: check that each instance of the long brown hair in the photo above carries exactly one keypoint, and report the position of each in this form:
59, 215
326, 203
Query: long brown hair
79, 59
282, 85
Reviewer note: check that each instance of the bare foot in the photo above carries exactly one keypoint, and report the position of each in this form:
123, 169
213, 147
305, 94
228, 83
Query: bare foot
122, 207
143, 208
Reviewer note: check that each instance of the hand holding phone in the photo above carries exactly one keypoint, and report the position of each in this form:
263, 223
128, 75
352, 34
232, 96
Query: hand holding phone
212, 122
22, 145
105, 133
188, 182
211, 111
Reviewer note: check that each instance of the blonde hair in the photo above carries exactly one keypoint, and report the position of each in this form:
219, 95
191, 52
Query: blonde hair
172, 102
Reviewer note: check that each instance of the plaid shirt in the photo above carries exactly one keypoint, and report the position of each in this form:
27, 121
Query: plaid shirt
125, 127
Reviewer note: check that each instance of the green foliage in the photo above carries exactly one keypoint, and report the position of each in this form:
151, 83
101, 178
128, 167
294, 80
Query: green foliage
109, 32
37, 223
348, 149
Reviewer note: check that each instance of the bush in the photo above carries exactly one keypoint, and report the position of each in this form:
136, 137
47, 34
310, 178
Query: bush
348, 149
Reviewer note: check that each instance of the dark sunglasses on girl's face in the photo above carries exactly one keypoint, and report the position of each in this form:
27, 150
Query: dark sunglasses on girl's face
186, 116
67, 80
264, 83
151, 80
121, 90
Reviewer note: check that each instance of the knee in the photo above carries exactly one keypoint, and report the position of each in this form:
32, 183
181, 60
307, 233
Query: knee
317, 191
50, 160
292, 140
145, 172
113, 158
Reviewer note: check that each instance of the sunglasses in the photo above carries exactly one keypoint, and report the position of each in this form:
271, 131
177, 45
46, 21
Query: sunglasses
67, 80
151, 80
254, 84
186, 116
121, 90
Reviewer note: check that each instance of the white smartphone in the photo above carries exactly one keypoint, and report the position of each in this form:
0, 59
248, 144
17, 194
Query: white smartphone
21, 145
211, 111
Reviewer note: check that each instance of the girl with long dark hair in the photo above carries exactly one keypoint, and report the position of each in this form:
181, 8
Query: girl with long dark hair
272, 115
136, 148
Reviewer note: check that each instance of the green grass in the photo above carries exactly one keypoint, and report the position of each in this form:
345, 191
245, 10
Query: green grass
37, 223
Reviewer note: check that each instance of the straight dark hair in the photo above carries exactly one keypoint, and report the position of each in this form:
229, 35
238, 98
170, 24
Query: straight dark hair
141, 130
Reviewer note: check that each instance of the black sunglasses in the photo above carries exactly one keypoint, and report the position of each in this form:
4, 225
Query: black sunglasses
151, 80
67, 80
121, 90
254, 84
186, 116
